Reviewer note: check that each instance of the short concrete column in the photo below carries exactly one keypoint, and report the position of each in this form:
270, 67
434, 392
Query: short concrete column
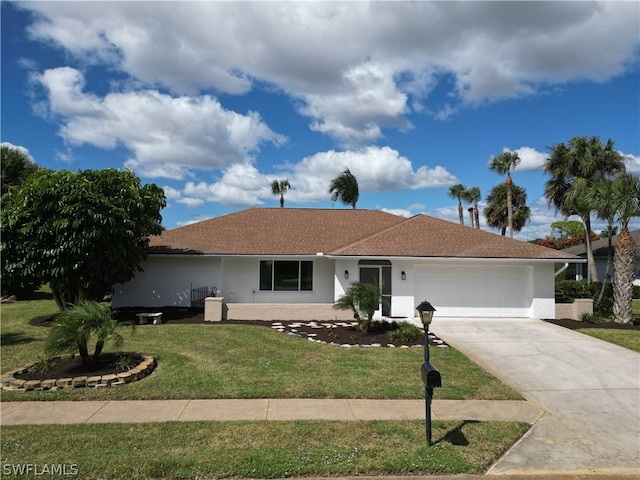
213, 309
582, 306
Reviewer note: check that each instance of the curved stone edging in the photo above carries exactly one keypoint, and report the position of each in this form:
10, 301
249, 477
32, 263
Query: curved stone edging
144, 368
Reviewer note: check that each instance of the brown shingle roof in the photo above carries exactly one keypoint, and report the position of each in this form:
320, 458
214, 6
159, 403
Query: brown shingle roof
342, 232
275, 231
423, 236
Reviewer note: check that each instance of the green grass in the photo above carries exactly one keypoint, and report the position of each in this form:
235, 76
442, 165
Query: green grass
625, 338
239, 361
259, 449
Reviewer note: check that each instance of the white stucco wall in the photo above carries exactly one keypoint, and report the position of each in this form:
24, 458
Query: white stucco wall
456, 288
241, 282
543, 303
167, 280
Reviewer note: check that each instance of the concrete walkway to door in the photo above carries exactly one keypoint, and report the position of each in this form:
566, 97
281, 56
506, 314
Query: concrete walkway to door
589, 388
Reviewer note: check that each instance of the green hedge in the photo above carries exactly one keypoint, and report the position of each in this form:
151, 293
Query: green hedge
567, 290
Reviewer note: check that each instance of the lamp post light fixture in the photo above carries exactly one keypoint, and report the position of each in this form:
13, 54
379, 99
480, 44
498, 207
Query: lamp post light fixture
430, 376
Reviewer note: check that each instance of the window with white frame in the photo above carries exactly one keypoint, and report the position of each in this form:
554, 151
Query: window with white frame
286, 275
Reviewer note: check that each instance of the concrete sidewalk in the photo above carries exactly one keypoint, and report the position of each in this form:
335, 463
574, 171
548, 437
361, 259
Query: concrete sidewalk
141, 411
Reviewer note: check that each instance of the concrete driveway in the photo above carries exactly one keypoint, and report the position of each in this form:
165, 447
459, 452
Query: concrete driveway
590, 390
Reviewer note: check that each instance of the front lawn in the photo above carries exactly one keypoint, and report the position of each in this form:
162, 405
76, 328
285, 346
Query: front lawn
264, 449
625, 338
239, 361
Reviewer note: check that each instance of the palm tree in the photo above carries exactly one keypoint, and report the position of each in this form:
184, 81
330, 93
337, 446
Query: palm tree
280, 188
496, 211
457, 191
74, 327
503, 164
472, 195
15, 167
363, 299
573, 168
345, 188
599, 197
620, 198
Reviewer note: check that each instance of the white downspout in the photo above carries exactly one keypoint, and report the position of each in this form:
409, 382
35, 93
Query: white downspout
562, 269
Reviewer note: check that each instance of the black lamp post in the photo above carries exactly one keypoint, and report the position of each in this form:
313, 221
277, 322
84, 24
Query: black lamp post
430, 376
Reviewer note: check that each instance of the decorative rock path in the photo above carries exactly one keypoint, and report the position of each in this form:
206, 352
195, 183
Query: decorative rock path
302, 329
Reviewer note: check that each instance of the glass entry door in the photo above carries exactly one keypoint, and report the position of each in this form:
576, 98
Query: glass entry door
379, 275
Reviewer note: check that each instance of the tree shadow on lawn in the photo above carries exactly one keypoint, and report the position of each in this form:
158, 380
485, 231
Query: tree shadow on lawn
8, 339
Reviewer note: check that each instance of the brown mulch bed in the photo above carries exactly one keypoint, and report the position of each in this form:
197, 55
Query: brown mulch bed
576, 324
330, 332
68, 367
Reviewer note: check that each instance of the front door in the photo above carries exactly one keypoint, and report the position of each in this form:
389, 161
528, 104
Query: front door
381, 276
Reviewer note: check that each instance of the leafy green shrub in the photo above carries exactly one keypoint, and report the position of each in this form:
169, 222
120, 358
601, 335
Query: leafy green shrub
592, 318
406, 332
43, 365
126, 361
568, 290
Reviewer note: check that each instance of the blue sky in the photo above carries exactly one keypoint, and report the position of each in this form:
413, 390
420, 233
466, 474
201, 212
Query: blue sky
214, 100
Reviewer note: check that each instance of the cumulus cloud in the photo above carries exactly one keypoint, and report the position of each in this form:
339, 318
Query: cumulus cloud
530, 158
167, 134
377, 170
21, 149
354, 67
632, 162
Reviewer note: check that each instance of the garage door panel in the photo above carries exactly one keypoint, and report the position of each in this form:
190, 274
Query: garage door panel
475, 290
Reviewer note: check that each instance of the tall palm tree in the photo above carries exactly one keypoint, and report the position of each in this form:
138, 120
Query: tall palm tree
503, 164
623, 203
457, 191
472, 195
280, 188
573, 168
599, 197
345, 188
496, 211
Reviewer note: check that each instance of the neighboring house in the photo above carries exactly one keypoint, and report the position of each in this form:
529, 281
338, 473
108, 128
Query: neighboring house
278, 263
600, 252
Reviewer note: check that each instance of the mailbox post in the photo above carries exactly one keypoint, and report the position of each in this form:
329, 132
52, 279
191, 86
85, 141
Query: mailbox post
430, 376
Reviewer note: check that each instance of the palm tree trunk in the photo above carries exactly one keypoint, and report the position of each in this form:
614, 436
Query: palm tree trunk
476, 213
84, 353
593, 277
606, 270
460, 212
509, 205
623, 271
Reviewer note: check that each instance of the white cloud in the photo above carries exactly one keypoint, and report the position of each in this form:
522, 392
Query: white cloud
632, 162
168, 135
377, 169
21, 149
355, 67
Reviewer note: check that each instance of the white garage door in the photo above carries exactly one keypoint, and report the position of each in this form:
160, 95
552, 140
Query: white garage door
476, 291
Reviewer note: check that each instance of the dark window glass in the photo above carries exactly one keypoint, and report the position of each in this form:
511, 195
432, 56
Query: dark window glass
266, 275
306, 275
285, 276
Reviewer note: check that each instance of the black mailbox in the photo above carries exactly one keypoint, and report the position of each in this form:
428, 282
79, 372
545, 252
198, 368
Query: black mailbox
430, 376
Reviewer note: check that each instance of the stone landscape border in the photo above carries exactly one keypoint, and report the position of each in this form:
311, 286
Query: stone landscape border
144, 368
